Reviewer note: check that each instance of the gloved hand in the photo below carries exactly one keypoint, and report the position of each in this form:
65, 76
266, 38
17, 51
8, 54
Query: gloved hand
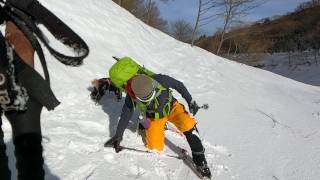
115, 143
95, 95
193, 107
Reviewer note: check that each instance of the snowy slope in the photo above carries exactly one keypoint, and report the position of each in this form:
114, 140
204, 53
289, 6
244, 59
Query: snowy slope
260, 126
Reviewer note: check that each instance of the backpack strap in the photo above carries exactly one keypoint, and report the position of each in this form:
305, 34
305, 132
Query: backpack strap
28, 11
167, 107
34, 42
165, 110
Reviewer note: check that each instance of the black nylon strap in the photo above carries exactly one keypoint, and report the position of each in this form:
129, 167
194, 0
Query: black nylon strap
21, 24
55, 26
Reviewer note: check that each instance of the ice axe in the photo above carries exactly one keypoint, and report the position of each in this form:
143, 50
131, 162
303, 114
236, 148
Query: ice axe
204, 106
194, 108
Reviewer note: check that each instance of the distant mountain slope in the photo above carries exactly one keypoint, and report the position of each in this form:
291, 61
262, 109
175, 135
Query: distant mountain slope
299, 30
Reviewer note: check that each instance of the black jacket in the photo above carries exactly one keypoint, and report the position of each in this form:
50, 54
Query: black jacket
3, 15
167, 82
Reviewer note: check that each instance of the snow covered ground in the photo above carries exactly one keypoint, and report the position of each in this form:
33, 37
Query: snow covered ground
300, 66
260, 126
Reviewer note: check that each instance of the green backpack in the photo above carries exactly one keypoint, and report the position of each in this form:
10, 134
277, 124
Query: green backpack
124, 69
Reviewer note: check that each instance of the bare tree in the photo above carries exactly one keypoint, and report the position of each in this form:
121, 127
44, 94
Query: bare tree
133, 6
145, 10
308, 4
149, 9
120, 2
197, 22
232, 11
151, 16
182, 30
204, 15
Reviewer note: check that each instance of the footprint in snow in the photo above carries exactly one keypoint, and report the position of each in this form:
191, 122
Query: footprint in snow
110, 159
218, 149
82, 173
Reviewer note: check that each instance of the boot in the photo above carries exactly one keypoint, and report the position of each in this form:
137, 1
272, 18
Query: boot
197, 149
28, 151
5, 173
201, 164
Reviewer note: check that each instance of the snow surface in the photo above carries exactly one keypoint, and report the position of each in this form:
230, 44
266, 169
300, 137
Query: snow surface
300, 66
260, 126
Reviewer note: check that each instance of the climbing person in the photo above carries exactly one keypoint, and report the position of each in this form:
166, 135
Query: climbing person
152, 95
23, 91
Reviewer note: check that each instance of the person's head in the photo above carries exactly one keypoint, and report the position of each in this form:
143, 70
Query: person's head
141, 87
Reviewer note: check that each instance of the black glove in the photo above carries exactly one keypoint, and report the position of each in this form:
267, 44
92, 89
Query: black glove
115, 143
95, 95
193, 107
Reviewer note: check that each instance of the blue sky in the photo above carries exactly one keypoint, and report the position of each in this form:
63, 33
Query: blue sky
187, 9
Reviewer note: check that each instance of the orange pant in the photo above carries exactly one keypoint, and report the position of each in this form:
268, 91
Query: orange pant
178, 116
